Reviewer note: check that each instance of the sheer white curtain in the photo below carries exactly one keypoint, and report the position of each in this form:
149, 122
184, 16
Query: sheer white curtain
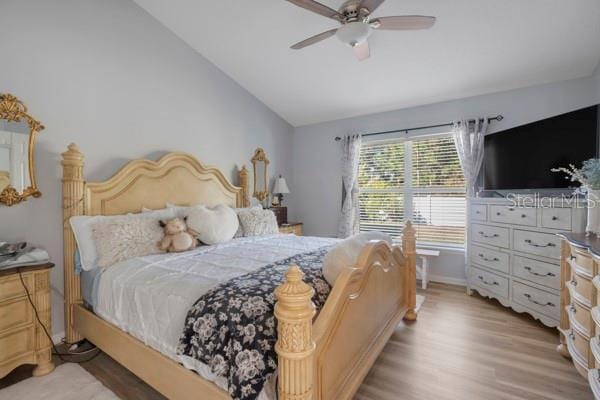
350, 220
468, 137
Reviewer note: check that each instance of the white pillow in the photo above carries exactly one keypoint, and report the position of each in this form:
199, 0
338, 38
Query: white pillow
345, 254
126, 237
213, 225
255, 221
82, 226
240, 231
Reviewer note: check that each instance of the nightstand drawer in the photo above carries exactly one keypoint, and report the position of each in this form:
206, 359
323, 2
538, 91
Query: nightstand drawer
15, 313
16, 343
11, 287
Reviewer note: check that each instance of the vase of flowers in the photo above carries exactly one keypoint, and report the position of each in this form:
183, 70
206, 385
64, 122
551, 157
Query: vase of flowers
589, 177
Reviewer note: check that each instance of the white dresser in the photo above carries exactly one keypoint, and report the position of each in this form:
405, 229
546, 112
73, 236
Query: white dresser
514, 252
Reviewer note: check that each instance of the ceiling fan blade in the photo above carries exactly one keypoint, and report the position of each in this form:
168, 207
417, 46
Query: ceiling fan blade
318, 8
362, 51
403, 23
314, 39
371, 5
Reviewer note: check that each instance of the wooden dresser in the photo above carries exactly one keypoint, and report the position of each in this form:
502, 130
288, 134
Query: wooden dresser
580, 301
22, 339
292, 227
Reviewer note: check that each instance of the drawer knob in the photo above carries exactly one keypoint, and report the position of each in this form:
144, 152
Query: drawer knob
484, 258
523, 216
554, 218
498, 213
477, 212
532, 272
486, 282
529, 242
511, 209
528, 296
495, 235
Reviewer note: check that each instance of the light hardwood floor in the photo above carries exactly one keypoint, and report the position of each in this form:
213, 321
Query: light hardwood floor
461, 348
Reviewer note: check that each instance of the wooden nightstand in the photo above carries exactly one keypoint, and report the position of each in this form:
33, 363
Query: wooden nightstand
292, 227
22, 339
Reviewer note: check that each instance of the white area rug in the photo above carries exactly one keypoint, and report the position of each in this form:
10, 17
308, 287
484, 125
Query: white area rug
66, 382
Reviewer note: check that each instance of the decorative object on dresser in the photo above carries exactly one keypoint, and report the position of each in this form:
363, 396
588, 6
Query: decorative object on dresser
279, 189
579, 304
18, 132
281, 214
589, 178
260, 164
22, 339
292, 227
514, 252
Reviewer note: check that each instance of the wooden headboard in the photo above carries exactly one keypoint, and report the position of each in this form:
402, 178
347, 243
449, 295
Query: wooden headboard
176, 178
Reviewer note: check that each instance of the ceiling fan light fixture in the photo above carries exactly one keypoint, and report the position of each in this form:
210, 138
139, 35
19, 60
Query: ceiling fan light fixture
354, 33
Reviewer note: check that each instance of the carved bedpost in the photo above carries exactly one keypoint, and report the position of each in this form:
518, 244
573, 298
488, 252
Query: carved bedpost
409, 248
73, 187
295, 346
245, 194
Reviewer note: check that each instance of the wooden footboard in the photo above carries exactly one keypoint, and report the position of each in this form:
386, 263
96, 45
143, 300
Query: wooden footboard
329, 360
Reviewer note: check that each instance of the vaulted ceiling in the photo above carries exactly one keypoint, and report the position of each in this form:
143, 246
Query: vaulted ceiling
476, 47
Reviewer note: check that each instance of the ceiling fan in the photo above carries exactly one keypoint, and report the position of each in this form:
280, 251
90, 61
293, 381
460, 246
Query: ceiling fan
357, 24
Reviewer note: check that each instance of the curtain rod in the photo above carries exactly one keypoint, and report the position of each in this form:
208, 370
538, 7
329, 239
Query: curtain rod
490, 119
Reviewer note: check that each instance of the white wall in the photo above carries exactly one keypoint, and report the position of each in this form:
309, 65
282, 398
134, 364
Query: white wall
106, 75
316, 181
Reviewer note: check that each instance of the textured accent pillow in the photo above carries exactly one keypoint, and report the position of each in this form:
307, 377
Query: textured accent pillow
213, 225
126, 237
240, 231
83, 230
345, 254
255, 221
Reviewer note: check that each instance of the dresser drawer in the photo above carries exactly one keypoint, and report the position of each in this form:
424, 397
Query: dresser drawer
489, 281
492, 235
541, 244
479, 212
16, 343
581, 288
543, 302
579, 344
514, 215
11, 286
15, 313
540, 272
556, 218
581, 318
490, 258
581, 261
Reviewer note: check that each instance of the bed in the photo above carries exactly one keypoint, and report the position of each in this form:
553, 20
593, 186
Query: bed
323, 357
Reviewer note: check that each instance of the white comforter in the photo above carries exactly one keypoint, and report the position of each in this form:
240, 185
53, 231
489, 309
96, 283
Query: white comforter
149, 297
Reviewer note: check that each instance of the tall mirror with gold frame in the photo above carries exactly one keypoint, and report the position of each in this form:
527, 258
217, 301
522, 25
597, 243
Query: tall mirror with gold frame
261, 175
18, 131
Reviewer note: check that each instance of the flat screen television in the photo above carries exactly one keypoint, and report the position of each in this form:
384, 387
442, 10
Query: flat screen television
521, 158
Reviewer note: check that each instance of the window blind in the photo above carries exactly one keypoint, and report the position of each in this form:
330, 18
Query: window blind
418, 178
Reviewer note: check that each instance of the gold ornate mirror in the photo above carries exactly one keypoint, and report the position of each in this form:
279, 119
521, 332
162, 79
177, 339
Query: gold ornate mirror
17, 142
260, 163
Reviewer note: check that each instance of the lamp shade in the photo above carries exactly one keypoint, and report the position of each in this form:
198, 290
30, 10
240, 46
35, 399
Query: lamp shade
280, 186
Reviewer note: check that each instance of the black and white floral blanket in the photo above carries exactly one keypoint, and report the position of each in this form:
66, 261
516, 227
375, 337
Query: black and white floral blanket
233, 330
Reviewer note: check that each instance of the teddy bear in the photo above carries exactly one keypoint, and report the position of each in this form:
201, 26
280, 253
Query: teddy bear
178, 237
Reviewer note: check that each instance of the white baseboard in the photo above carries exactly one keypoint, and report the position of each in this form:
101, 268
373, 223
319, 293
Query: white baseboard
448, 280
57, 338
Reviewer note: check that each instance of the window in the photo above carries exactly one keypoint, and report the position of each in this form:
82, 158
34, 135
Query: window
420, 178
